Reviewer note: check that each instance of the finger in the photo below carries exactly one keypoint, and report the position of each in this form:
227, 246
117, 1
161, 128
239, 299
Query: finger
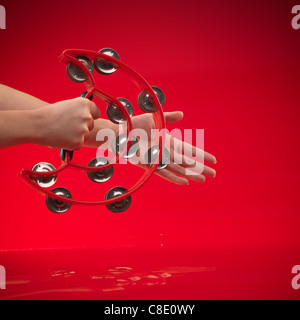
91, 124
169, 176
181, 171
95, 112
172, 117
191, 151
209, 158
209, 172
184, 160
201, 169
86, 134
196, 166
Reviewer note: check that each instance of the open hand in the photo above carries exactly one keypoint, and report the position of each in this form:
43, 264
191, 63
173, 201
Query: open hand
178, 171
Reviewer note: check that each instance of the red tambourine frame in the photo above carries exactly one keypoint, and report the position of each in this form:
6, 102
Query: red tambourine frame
69, 56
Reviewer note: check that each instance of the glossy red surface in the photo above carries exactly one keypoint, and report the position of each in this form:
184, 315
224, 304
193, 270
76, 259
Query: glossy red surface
232, 67
148, 273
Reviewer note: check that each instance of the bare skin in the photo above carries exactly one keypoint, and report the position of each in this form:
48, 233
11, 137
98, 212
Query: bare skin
74, 124
176, 171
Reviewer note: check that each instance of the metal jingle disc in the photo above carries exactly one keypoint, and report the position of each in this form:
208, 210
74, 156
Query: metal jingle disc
102, 175
115, 116
153, 153
44, 182
75, 73
57, 206
146, 103
119, 206
104, 67
120, 143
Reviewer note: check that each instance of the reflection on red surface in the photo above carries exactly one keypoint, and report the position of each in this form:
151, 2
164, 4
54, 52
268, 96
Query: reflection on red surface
148, 274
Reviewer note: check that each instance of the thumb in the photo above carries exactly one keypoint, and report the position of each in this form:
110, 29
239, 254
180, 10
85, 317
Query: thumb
172, 117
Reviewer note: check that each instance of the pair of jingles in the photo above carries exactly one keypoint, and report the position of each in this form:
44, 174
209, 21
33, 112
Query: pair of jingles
80, 68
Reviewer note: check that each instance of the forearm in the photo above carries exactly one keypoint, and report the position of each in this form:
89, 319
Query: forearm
22, 120
19, 127
34, 127
11, 99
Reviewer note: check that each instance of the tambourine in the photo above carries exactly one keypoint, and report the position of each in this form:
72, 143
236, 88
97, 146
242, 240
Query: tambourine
81, 65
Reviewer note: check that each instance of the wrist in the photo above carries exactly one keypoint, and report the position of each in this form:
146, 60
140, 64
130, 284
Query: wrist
38, 126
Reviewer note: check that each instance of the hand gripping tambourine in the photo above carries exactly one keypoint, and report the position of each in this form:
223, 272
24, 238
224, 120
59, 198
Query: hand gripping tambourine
80, 67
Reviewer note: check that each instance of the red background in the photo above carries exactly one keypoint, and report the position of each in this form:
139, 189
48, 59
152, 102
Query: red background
233, 68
